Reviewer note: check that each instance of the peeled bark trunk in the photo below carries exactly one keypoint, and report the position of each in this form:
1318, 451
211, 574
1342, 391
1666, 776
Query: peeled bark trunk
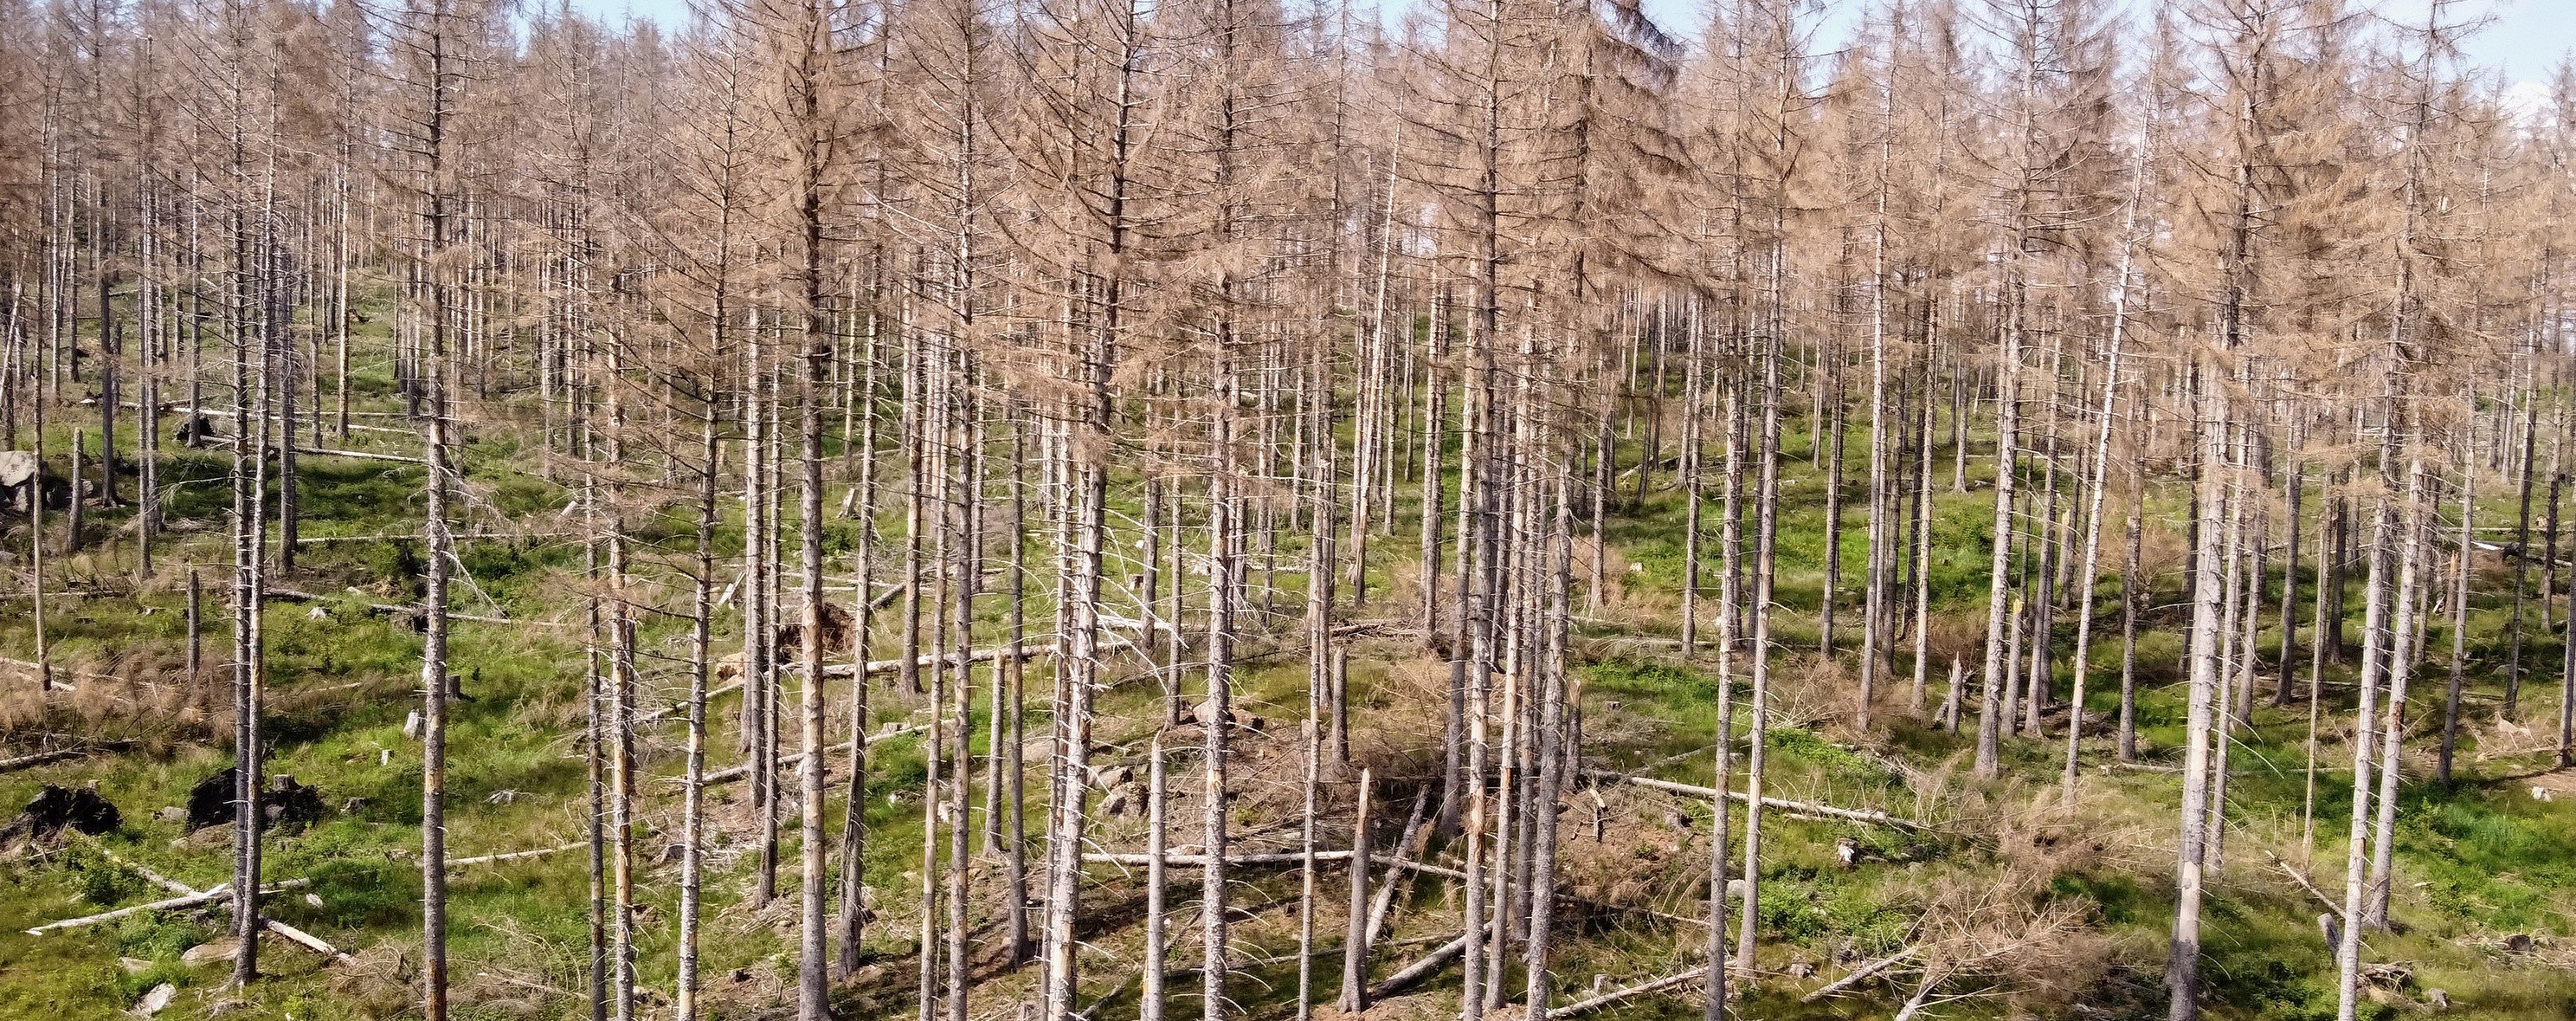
2182, 964
1990, 722
1150, 1003
2460, 621
694, 762
1765, 569
2374, 666
2401, 670
1355, 937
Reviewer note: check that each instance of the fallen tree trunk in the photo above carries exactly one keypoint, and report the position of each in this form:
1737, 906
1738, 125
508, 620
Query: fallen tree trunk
292, 934
1631, 992
308, 941
1027, 652
731, 773
1430, 964
189, 899
1188, 860
490, 859
303, 540
1865, 815
1446, 872
41, 758
658, 715
1410, 842
401, 609
1922, 993
194, 900
1859, 975
2305, 884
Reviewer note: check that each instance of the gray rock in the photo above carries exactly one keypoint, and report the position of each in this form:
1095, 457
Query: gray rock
155, 1001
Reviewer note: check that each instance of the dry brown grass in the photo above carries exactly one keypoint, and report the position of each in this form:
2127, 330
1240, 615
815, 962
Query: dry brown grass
141, 696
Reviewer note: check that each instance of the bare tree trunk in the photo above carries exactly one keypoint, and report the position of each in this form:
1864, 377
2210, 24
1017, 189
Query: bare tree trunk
853, 907
2007, 399
2460, 617
433, 668
1216, 713
1150, 1001
810, 146
2084, 576
2182, 965
2401, 670
1765, 568
693, 768
1013, 709
2374, 666
1688, 478
1552, 753
1355, 938
2521, 553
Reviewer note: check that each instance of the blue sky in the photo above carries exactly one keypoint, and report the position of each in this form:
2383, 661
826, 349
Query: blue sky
2524, 39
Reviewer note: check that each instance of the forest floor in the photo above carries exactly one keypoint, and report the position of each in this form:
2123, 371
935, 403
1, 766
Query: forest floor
2026, 907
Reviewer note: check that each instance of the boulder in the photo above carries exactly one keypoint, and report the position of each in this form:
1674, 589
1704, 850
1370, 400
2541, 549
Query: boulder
212, 838
155, 1001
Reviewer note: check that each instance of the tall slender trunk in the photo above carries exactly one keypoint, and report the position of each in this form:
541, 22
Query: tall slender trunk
2401, 671
694, 764
1765, 569
2374, 666
1355, 938
2085, 575
2182, 965
2460, 618
2007, 399
1152, 996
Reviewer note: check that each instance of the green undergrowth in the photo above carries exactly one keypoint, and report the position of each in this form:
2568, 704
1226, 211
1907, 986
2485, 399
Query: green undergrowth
2478, 862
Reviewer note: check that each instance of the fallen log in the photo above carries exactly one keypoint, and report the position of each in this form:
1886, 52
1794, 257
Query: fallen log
1445, 872
194, 900
658, 715
732, 773
291, 933
1858, 975
460, 537
60, 672
1631, 992
2301, 878
308, 941
1190, 860
148, 875
1423, 968
189, 900
364, 455
1864, 815
490, 859
1028, 651
405, 609
1410, 842
41, 758
1922, 993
